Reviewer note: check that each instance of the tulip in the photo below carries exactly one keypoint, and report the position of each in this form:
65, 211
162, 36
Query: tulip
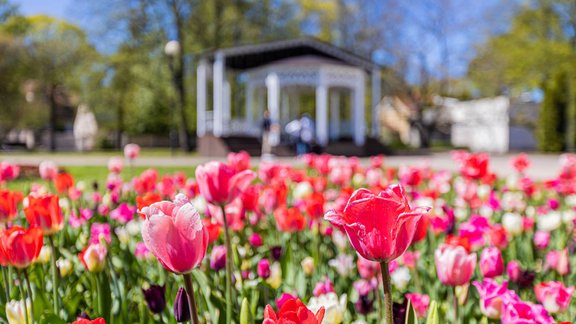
491, 263
48, 170
131, 151
175, 234
334, 307
294, 311
115, 165
65, 267
541, 239
18, 311
308, 265
401, 277
491, 297
289, 219
181, 306
98, 320
275, 278
554, 296
20, 247
63, 182
155, 298
99, 232
380, 227
420, 303
517, 311
93, 257
513, 269
124, 213
9, 201
263, 268
559, 261
323, 287
255, 240
218, 258
239, 161
44, 212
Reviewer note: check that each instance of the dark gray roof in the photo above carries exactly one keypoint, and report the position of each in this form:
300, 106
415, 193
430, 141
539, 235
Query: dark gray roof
251, 56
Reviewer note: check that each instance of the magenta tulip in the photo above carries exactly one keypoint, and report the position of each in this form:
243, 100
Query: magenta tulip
554, 296
491, 263
174, 233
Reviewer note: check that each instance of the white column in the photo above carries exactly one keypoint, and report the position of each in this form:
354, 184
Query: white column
201, 98
376, 96
218, 80
249, 104
226, 109
334, 114
273, 87
322, 114
358, 120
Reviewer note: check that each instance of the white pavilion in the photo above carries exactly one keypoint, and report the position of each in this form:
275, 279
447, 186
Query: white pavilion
273, 76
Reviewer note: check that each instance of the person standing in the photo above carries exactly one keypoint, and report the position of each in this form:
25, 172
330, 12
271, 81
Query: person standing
266, 127
306, 135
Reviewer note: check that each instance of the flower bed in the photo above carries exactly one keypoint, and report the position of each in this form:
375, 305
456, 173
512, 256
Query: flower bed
334, 242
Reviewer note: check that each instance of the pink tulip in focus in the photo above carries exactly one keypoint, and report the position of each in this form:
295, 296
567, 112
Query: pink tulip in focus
380, 227
175, 234
115, 165
48, 170
219, 183
491, 263
491, 297
554, 296
131, 151
420, 303
454, 265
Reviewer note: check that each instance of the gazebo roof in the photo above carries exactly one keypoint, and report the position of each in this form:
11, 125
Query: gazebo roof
252, 56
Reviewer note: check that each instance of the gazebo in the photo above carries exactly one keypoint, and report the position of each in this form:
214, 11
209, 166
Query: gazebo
274, 75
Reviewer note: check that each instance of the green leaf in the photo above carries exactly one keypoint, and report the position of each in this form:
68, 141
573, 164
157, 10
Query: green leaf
202, 281
433, 314
245, 314
411, 317
52, 319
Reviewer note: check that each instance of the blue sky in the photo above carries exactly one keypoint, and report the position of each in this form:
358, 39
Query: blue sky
57, 8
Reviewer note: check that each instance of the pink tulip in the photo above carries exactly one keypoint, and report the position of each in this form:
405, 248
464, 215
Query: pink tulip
559, 261
219, 184
323, 287
115, 165
218, 258
174, 233
380, 227
513, 269
239, 161
520, 162
48, 170
256, 240
263, 268
554, 296
410, 259
491, 297
93, 257
420, 303
491, 263
541, 239
131, 151
124, 213
521, 312
100, 231
454, 265
367, 269
141, 251
8, 171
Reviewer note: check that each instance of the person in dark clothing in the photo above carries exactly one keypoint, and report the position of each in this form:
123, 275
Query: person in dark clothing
266, 127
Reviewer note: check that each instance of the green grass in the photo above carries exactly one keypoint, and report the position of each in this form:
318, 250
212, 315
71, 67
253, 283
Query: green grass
89, 174
145, 152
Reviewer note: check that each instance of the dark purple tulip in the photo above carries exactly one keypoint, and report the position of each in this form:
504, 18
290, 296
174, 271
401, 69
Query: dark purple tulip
155, 298
181, 308
526, 279
400, 312
276, 252
364, 305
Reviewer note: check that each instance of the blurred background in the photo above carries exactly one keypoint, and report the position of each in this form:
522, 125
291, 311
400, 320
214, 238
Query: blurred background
486, 75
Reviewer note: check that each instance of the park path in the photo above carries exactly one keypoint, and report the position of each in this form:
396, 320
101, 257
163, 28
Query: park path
542, 167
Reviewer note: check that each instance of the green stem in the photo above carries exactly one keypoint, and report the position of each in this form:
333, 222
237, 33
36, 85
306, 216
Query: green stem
23, 296
229, 259
389, 317
455, 304
29, 289
191, 301
55, 274
6, 283
100, 294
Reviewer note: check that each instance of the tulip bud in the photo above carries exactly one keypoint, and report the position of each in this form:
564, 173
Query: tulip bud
255, 240
94, 257
181, 308
276, 252
541, 239
218, 258
513, 270
491, 262
264, 269
155, 298
16, 311
275, 278
308, 265
45, 255
64, 266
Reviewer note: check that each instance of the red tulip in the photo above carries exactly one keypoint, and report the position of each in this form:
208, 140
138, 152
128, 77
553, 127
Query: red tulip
475, 166
63, 182
20, 247
9, 205
44, 212
99, 320
239, 161
292, 311
380, 227
289, 219
219, 183
174, 233
146, 200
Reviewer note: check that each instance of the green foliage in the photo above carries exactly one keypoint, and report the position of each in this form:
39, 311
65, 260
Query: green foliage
553, 118
433, 313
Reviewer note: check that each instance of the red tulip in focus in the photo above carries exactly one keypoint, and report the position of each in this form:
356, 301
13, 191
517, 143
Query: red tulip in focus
20, 247
44, 212
292, 311
219, 183
454, 265
9, 201
289, 219
421, 229
63, 182
174, 233
380, 227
